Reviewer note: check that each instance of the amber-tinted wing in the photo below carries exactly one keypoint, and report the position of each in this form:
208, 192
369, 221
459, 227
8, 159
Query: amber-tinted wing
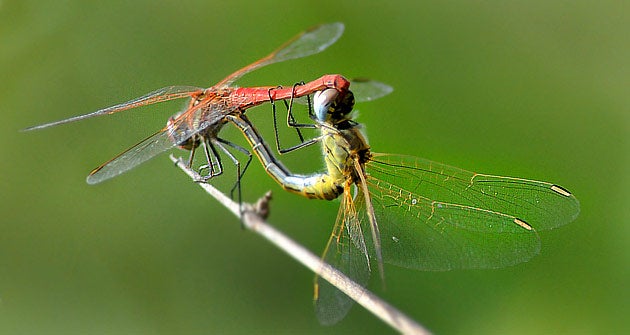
347, 252
161, 95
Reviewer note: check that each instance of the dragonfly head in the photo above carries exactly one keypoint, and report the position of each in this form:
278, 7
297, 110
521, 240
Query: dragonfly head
332, 106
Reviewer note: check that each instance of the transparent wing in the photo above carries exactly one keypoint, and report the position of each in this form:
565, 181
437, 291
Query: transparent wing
132, 157
161, 95
437, 217
307, 43
347, 252
363, 90
177, 133
368, 90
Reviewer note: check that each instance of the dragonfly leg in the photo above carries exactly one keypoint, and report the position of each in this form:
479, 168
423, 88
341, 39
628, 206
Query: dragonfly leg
290, 118
213, 160
291, 122
221, 143
191, 157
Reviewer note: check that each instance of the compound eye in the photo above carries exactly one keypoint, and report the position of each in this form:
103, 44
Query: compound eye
323, 103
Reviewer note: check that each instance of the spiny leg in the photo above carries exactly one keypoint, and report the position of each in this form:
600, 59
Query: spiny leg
213, 160
190, 158
290, 118
289, 106
221, 143
292, 123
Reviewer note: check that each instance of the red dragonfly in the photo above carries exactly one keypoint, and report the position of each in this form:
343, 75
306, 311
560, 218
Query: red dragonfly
205, 115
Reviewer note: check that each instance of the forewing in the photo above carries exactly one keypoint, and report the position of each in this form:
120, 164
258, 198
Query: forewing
161, 95
436, 217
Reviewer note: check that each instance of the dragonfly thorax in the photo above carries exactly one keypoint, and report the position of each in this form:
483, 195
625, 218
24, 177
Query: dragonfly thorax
179, 133
189, 136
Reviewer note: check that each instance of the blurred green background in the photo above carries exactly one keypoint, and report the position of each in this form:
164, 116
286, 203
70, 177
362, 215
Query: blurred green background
535, 89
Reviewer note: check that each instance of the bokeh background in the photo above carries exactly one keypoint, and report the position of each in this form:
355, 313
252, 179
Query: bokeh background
535, 89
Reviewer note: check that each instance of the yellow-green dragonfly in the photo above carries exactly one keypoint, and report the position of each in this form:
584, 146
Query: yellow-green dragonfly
421, 214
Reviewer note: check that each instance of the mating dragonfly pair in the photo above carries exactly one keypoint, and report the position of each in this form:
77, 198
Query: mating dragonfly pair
419, 214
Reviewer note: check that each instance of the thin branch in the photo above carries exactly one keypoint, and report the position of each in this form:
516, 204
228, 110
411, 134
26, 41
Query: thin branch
254, 221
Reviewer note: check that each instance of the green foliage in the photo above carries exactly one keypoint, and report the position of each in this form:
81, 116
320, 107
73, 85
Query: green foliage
533, 89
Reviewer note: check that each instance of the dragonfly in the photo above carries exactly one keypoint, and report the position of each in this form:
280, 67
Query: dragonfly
409, 211
200, 122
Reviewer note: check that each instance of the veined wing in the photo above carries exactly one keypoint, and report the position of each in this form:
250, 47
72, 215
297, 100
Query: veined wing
132, 157
347, 252
309, 42
177, 133
161, 95
437, 217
